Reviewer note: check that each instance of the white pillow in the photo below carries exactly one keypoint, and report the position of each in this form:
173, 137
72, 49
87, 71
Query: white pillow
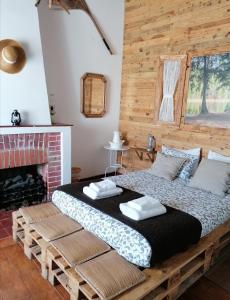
216, 156
193, 151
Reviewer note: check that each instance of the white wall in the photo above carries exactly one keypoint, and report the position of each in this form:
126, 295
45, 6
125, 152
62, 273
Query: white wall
71, 47
25, 91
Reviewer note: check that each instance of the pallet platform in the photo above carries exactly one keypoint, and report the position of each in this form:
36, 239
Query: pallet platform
167, 280
174, 276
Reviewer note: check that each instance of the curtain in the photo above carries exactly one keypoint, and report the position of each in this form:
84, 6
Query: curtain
170, 78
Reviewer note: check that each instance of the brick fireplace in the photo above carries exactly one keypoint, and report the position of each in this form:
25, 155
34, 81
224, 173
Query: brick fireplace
46, 147
49, 147
41, 149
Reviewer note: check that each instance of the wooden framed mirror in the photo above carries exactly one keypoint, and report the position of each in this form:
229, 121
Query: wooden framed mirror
93, 95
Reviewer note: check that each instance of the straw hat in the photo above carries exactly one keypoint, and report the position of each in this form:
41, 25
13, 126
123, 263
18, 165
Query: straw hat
12, 56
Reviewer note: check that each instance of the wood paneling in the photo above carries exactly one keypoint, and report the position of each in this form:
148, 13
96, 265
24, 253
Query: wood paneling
160, 27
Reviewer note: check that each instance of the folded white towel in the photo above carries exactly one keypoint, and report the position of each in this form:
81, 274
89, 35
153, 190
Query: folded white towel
144, 203
141, 215
95, 195
103, 186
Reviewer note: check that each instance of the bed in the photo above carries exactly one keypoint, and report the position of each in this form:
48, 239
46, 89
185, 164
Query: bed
209, 209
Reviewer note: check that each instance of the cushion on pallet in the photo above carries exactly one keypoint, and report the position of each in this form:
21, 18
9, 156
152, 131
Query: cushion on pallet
79, 247
37, 213
109, 274
56, 227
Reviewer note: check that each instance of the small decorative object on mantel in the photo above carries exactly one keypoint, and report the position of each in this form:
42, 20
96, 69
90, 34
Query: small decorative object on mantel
15, 118
78, 4
151, 143
52, 113
12, 56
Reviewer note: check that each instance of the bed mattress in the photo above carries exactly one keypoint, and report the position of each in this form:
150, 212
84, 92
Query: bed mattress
209, 209
166, 234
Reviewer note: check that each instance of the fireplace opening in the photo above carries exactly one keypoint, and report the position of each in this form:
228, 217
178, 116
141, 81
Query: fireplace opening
22, 186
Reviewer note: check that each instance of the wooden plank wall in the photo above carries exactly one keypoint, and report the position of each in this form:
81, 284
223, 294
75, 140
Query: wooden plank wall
167, 27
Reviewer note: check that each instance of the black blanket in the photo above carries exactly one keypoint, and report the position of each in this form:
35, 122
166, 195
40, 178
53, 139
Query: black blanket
167, 234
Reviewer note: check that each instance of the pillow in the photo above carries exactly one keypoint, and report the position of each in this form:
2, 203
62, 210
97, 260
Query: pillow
167, 166
193, 151
216, 156
189, 167
212, 176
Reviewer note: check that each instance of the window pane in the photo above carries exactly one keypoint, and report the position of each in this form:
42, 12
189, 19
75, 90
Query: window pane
208, 100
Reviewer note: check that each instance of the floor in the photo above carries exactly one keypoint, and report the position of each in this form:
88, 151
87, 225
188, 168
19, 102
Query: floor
205, 289
20, 279
5, 224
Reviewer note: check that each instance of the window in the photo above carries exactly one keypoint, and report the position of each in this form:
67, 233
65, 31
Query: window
208, 101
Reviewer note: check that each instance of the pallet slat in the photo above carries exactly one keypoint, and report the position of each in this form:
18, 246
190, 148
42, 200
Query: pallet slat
88, 291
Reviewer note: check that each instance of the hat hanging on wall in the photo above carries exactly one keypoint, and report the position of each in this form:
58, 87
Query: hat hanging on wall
12, 56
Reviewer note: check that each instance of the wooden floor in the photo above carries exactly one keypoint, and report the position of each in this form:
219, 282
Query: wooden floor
205, 289
20, 280
5, 224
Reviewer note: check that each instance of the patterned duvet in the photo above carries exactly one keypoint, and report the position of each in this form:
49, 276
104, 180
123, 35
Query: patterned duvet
209, 209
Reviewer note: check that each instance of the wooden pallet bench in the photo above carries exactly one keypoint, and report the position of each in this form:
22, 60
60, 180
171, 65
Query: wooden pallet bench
18, 227
33, 248
39, 235
37, 225
60, 272
124, 275
36, 247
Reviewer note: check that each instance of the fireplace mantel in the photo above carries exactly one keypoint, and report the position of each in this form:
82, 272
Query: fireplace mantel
64, 143
33, 128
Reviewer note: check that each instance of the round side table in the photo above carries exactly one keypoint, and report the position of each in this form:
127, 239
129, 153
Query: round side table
113, 158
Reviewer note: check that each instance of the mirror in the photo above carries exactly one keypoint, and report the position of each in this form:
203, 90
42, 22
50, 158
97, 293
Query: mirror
93, 95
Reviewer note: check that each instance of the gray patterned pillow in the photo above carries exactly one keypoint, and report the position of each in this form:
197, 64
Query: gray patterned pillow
190, 165
167, 166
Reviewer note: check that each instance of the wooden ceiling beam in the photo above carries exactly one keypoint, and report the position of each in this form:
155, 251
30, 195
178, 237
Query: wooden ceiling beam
82, 5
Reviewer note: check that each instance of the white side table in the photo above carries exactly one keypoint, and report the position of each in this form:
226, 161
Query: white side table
113, 158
